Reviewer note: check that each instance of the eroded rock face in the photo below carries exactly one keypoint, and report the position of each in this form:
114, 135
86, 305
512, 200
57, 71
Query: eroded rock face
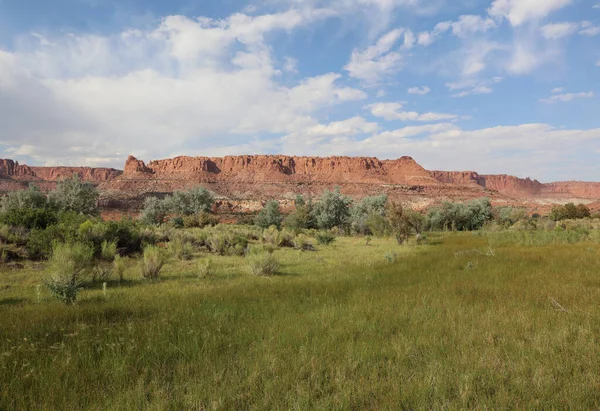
10, 168
505, 184
15, 175
242, 182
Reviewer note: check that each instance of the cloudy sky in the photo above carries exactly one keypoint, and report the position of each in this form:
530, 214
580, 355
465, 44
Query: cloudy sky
502, 86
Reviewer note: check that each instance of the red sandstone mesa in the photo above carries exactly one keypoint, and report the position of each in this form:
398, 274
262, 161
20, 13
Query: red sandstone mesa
240, 181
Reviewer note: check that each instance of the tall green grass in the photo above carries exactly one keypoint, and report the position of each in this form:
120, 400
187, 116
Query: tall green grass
339, 328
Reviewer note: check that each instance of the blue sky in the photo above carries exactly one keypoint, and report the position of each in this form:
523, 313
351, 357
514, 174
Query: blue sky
496, 86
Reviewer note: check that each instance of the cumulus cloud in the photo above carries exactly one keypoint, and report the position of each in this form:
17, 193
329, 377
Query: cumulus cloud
376, 61
520, 11
392, 111
84, 99
419, 90
566, 97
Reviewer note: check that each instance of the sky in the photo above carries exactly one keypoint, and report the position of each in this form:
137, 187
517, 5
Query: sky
496, 86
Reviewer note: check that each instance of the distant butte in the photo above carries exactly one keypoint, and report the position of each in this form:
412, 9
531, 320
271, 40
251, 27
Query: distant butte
241, 183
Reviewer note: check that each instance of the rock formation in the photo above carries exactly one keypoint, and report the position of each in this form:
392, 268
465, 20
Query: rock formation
241, 183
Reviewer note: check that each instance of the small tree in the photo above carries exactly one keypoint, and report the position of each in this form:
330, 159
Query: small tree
332, 210
190, 202
25, 199
269, 215
75, 195
155, 211
399, 222
302, 217
365, 208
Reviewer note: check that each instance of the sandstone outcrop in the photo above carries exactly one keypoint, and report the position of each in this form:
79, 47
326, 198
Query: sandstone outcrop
243, 183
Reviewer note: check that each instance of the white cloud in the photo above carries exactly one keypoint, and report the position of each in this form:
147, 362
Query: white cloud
426, 38
557, 90
419, 90
470, 24
566, 97
377, 61
391, 111
157, 92
290, 65
521, 11
381, 93
559, 30
468, 87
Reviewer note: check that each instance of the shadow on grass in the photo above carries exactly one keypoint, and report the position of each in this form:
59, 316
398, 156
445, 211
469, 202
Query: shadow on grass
13, 301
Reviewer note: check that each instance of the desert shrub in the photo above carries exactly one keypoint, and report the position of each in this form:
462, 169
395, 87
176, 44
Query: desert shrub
302, 243
277, 238
119, 266
201, 220
269, 215
569, 211
127, 235
325, 237
11, 252
227, 242
205, 268
152, 262
176, 222
508, 216
67, 266
263, 264
180, 248
32, 198
75, 195
332, 210
108, 250
30, 218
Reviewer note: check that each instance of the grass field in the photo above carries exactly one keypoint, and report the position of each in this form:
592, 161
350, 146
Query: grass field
443, 326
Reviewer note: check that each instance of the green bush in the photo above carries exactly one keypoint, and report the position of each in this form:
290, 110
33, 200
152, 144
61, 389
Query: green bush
30, 218
201, 220
67, 266
269, 215
75, 195
152, 262
263, 264
180, 248
372, 208
119, 266
32, 198
108, 250
332, 210
325, 237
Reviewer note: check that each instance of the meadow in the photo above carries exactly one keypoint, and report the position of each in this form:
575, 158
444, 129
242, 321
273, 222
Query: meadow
466, 320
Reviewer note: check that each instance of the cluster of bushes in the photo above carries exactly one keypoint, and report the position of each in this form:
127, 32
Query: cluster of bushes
460, 216
190, 208
333, 210
569, 212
